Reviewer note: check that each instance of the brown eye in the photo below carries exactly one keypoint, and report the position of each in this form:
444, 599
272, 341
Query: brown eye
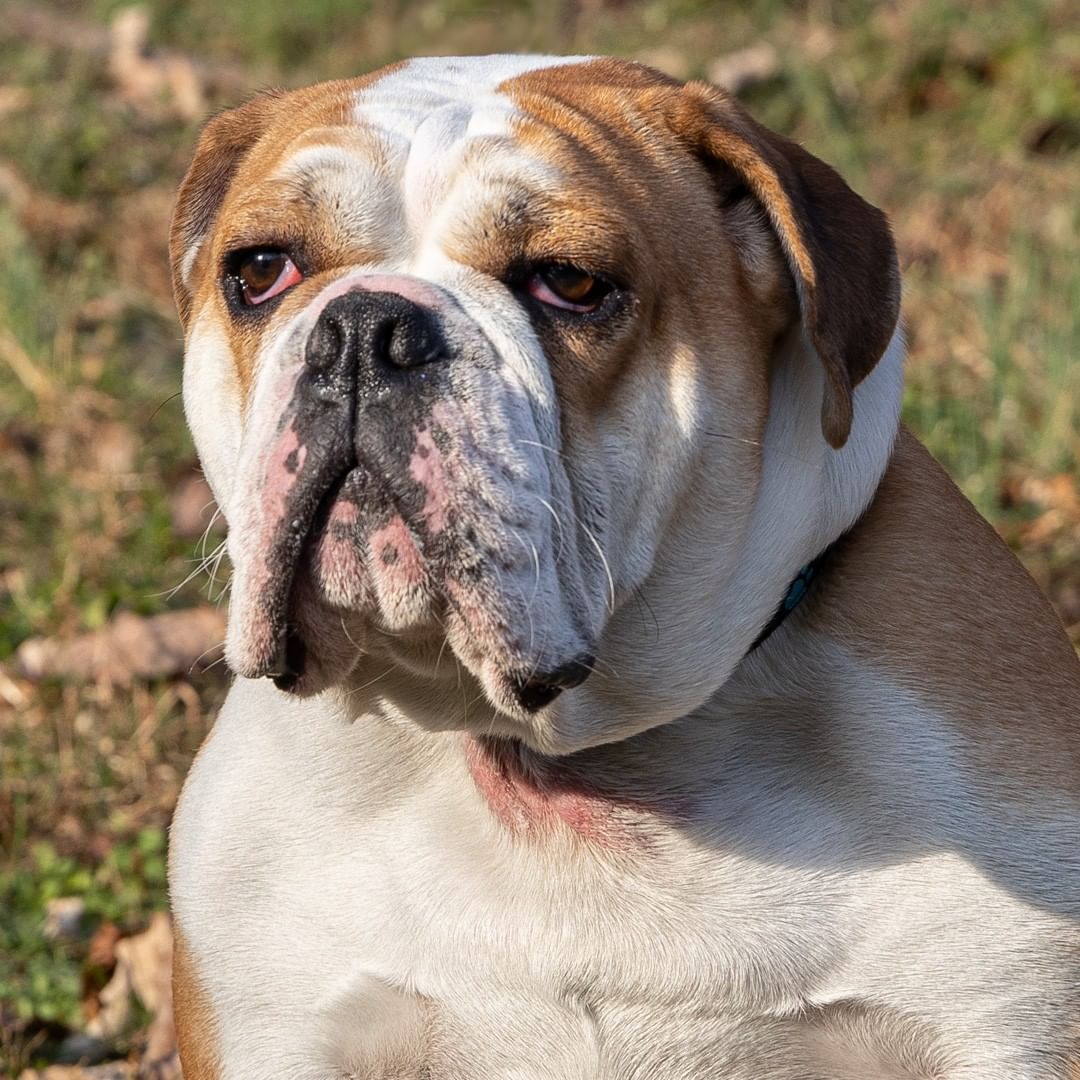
265, 273
563, 286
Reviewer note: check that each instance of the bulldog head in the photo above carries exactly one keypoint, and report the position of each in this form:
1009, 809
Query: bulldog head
513, 372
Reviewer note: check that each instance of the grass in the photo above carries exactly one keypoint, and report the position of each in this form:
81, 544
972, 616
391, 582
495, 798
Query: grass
961, 119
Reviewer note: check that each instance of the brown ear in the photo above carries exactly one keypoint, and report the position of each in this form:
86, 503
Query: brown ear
224, 141
838, 248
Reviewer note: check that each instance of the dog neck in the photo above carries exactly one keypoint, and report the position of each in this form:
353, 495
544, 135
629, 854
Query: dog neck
707, 617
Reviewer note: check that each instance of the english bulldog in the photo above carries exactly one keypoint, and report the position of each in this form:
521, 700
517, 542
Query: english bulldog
536, 393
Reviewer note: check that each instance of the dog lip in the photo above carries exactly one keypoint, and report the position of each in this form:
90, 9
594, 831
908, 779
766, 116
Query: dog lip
287, 665
291, 661
539, 689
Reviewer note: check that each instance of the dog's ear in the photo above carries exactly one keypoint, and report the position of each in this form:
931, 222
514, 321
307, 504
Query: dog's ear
838, 248
224, 141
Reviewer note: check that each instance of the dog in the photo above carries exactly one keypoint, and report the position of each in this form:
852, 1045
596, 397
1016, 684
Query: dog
622, 691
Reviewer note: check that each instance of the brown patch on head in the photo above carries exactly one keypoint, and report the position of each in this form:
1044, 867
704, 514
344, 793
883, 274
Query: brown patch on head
224, 141
196, 1025
678, 199
249, 141
633, 205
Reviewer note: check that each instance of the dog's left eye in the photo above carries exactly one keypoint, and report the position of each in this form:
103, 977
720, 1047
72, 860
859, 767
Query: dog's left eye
568, 287
263, 274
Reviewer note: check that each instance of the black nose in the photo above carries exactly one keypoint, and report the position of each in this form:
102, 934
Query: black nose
372, 338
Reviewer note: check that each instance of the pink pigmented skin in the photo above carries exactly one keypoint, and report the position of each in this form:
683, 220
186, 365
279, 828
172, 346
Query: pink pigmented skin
344, 512
526, 802
286, 461
341, 569
340, 564
427, 469
396, 558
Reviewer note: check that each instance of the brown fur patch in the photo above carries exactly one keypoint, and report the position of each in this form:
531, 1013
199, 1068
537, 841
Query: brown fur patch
634, 204
196, 1025
926, 590
838, 248
252, 138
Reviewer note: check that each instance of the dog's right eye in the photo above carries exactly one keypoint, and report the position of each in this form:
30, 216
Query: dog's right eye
264, 273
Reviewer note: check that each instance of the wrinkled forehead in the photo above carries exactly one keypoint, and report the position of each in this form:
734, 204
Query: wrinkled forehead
444, 122
406, 153
449, 97
410, 132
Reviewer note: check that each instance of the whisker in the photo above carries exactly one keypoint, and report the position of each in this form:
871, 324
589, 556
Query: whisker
558, 522
442, 649
370, 682
607, 569
220, 555
464, 696
203, 565
542, 446
194, 663
761, 444
204, 539
348, 636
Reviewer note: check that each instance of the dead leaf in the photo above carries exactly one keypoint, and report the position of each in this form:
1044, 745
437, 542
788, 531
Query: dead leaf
129, 647
742, 69
143, 971
148, 80
101, 951
192, 507
14, 99
117, 1070
63, 918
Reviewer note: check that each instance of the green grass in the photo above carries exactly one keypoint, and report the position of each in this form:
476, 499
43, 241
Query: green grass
1020, 410
38, 978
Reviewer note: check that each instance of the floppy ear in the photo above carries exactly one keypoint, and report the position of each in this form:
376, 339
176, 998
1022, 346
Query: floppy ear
838, 248
224, 141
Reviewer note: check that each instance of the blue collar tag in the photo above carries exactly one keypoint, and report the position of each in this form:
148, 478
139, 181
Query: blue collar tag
797, 590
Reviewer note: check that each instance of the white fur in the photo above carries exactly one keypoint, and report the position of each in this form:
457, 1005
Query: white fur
364, 870
213, 404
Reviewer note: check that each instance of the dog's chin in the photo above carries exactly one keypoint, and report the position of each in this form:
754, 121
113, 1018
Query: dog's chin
371, 599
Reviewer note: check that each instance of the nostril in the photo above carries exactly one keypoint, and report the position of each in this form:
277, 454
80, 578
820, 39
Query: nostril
414, 340
368, 336
324, 345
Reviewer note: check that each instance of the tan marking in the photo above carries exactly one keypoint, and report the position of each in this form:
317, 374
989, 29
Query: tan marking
248, 141
928, 593
838, 248
196, 1024
618, 209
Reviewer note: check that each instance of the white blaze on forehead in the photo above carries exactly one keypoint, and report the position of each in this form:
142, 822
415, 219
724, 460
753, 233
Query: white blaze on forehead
428, 109
457, 85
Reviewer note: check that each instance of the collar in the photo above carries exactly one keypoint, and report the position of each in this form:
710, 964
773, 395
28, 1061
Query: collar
796, 591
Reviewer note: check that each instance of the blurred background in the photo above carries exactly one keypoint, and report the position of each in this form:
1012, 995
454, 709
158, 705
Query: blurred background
961, 118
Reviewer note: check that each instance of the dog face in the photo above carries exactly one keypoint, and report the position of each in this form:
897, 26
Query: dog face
487, 360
